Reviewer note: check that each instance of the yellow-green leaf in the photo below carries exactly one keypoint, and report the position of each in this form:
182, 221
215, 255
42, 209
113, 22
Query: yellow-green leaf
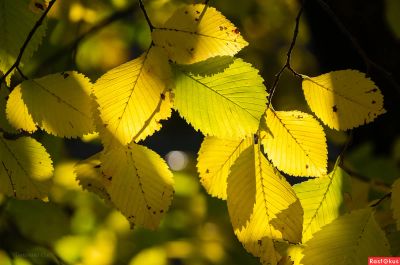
255, 186
291, 254
134, 97
25, 170
195, 33
322, 200
343, 99
295, 142
226, 104
140, 184
90, 177
17, 19
216, 156
396, 202
349, 240
4, 124
58, 103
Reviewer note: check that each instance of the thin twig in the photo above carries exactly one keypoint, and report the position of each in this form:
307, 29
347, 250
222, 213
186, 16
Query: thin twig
27, 40
386, 196
146, 16
288, 57
102, 24
367, 61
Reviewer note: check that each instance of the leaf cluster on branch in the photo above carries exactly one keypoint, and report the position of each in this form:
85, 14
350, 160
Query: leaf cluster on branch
190, 67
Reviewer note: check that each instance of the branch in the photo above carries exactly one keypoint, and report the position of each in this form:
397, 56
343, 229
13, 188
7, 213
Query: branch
102, 24
367, 61
145, 15
288, 57
386, 196
27, 40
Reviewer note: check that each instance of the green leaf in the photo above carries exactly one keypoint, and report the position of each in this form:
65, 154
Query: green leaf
322, 200
134, 97
4, 123
349, 240
58, 103
25, 170
295, 142
197, 32
227, 104
17, 19
139, 183
262, 206
343, 99
216, 156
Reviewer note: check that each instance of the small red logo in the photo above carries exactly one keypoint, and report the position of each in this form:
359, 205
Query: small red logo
383, 260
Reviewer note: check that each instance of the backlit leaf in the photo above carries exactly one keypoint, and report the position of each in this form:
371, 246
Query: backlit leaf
139, 183
228, 104
343, 99
349, 240
57, 103
295, 142
25, 170
195, 33
396, 202
17, 20
322, 200
134, 97
262, 205
215, 159
4, 124
90, 177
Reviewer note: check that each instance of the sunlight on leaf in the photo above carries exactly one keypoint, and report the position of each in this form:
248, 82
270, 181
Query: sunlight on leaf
276, 214
343, 99
228, 104
197, 32
216, 156
57, 103
349, 240
295, 142
322, 200
134, 97
25, 170
139, 183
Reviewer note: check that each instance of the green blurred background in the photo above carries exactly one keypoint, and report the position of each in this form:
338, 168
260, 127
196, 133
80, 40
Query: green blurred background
75, 227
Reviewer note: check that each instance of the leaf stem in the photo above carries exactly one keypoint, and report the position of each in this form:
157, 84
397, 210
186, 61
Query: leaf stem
146, 16
288, 57
27, 40
377, 203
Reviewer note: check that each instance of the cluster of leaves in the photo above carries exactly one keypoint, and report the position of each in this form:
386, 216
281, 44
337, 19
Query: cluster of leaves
190, 67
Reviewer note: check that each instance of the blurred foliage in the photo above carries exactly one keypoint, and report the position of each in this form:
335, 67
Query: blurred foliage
76, 227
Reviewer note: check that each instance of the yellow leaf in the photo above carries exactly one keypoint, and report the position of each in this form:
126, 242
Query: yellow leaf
195, 33
396, 202
343, 99
139, 183
295, 142
17, 112
58, 103
134, 97
322, 200
349, 240
291, 254
216, 156
90, 177
262, 205
25, 170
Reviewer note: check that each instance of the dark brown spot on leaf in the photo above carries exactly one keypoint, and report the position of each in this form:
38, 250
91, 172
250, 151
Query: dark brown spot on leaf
97, 166
373, 102
207, 171
334, 108
162, 96
306, 166
39, 5
221, 28
197, 12
154, 212
186, 12
161, 211
236, 31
